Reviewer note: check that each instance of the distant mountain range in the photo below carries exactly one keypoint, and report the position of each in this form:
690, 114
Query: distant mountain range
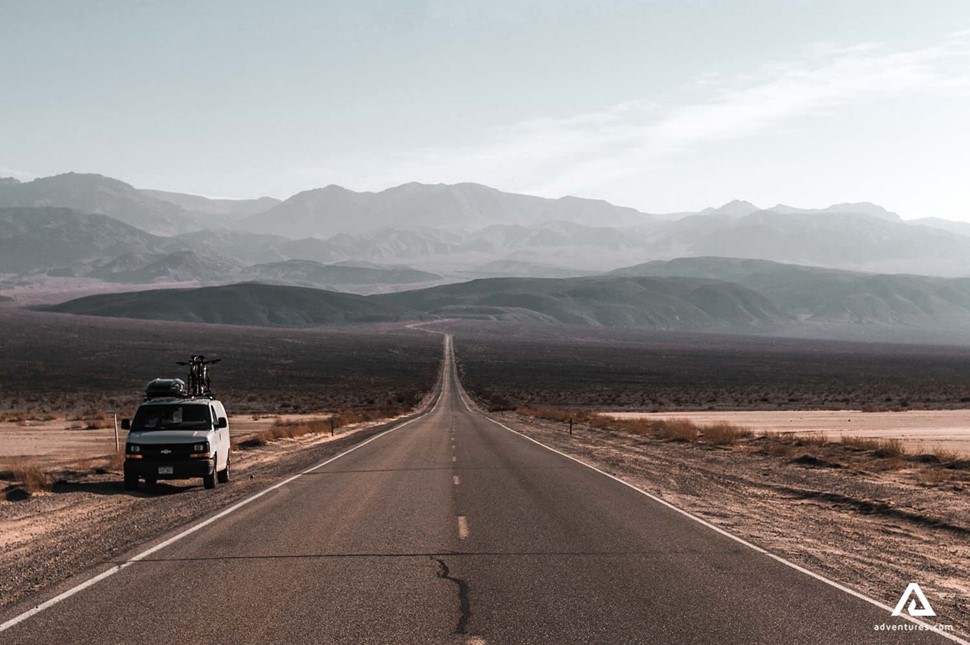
33, 239
325, 212
723, 295
157, 212
97, 227
67, 243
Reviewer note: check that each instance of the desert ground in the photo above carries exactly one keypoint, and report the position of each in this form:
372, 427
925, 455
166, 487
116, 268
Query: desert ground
511, 365
918, 430
74, 367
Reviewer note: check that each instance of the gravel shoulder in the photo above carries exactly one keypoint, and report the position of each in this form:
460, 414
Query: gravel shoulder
873, 531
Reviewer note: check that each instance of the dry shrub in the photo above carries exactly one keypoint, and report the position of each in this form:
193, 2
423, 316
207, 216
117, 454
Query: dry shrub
555, 414
945, 455
31, 476
812, 440
860, 443
677, 430
633, 426
673, 429
725, 434
890, 449
291, 429
883, 448
98, 421
365, 415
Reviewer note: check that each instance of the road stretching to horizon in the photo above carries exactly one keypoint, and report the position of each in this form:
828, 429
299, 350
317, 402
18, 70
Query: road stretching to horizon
452, 529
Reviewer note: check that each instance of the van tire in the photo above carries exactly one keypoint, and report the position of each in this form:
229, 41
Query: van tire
209, 481
150, 481
223, 475
131, 482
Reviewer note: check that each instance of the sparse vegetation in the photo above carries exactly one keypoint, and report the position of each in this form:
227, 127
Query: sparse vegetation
889, 448
291, 429
30, 475
859, 443
945, 455
682, 430
725, 434
678, 430
802, 449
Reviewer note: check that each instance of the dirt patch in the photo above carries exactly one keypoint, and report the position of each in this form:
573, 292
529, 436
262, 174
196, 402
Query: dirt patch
873, 530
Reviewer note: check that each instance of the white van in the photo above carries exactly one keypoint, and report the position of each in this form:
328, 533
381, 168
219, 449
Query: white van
176, 436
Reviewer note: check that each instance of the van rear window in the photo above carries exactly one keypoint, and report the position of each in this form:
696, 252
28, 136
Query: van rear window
172, 417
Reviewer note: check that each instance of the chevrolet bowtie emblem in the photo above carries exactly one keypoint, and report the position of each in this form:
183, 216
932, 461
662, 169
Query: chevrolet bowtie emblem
166, 451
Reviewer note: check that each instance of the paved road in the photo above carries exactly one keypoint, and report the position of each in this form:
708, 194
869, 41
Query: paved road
454, 530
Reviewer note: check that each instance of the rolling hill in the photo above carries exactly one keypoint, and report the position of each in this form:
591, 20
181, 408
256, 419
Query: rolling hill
655, 303
237, 304
819, 295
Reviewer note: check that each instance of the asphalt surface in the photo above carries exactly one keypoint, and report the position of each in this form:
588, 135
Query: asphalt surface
452, 529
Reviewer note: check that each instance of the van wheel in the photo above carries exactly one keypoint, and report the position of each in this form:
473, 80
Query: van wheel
209, 481
131, 482
223, 475
151, 481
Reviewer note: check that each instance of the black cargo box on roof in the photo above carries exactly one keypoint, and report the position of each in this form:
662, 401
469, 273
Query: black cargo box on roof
165, 388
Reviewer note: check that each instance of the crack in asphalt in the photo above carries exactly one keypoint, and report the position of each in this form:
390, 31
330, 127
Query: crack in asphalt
445, 574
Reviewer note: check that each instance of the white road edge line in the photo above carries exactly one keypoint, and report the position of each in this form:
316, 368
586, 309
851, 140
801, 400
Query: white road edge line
817, 576
16, 620
462, 527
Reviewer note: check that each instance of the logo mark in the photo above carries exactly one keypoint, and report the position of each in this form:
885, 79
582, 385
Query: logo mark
920, 611
166, 451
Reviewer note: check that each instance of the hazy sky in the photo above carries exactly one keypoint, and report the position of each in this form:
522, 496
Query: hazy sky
662, 105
